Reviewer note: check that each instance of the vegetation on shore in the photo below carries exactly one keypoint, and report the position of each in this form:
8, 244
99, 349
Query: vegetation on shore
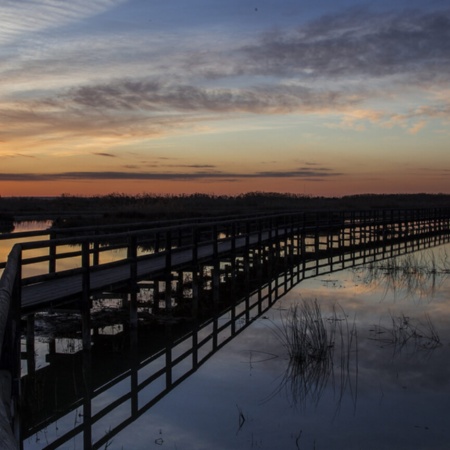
146, 207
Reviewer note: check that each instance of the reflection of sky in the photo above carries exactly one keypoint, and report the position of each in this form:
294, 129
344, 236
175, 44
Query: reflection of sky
402, 400
7, 244
42, 267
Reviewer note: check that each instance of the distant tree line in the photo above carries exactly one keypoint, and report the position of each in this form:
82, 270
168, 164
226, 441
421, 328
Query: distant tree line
124, 207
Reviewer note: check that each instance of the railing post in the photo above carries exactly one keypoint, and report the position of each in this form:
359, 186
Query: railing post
96, 254
247, 235
132, 256
195, 245
85, 296
52, 254
233, 241
168, 271
15, 312
215, 242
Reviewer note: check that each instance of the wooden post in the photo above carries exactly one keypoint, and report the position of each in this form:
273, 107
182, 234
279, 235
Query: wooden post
132, 257
195, 293
85, 297
156, 294
31, 362
195, 237
168, 271
168, 332
96, 254
134, 366
52, 255
86, 336
87, 394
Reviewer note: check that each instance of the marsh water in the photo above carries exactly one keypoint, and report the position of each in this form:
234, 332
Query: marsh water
353, 359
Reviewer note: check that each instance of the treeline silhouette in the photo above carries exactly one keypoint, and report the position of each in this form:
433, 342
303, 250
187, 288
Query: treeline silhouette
145, 207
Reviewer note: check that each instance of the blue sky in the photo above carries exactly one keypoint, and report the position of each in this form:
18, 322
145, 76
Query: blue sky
309, 97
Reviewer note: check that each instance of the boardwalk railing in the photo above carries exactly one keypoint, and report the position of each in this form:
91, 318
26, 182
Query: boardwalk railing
151, 372
10, 348
44, 272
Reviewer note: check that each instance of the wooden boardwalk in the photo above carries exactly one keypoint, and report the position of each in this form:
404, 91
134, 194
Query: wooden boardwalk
36, 275
101, 278
175, 247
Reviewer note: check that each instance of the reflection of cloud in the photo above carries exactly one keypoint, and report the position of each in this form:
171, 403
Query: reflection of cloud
300, 173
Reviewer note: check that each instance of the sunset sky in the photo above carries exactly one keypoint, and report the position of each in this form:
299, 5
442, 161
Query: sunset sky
314, 97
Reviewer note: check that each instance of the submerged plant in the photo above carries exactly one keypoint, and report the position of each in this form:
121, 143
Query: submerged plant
315, 346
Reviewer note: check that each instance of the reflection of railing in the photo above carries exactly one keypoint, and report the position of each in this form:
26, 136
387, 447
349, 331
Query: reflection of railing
166, 368
150, 378
310, 238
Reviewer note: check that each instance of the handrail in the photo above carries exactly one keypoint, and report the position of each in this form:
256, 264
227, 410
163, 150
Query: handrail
7, 285
196, 231
191, 230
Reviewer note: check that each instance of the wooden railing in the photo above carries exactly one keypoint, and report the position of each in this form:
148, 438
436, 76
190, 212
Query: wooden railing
10, 349
91, 250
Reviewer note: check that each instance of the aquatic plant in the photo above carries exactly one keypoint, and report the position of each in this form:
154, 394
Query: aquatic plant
315, 346
415, 274
404, 332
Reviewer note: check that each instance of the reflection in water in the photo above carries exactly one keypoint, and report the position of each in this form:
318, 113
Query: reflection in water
405, 332
412, 274
316, 347
107, 393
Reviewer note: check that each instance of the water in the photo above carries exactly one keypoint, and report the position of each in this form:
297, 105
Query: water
20, 227
395, 397
383, 382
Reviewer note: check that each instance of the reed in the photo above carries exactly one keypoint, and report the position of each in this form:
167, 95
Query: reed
319, 351
404, 332
415, 274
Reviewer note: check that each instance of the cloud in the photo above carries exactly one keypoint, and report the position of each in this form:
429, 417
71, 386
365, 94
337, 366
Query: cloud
357, 43
157, 96
28, 16
417, 127
332, 65
107, 155
304, 172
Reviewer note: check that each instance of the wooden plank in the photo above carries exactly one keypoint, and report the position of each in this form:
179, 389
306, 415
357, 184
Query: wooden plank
53, 290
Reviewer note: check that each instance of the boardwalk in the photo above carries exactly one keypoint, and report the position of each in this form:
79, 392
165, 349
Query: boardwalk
186, 245
70, 286
51, 271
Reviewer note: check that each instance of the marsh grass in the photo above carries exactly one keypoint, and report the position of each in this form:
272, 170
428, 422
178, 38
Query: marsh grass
416, 274
320, 350
404, 332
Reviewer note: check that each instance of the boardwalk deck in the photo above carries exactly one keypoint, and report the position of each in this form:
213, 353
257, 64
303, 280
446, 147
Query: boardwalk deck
44, 293
24, 287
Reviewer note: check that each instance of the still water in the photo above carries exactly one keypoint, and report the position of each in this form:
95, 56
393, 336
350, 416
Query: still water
373, 372
21, 227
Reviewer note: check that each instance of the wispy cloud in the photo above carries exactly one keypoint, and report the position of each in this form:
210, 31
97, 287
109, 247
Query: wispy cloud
28, 16
357, 43
336, 66
318, 173
158, 96
107, 155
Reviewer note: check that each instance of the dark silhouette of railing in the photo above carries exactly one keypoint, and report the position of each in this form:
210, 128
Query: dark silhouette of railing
110, 261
